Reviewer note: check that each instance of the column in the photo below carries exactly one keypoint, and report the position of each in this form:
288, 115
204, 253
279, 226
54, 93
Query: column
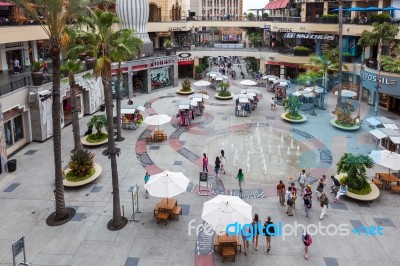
303, 12
149, 88
130, 81
195, 63
326, 7
380, 5
25, 55
3, 58
353, 14
34, 51
262, 64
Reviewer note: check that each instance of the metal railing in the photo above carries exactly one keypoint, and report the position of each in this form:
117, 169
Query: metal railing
15, 84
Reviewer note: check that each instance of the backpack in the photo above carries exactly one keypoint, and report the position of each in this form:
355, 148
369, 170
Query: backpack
307, 241
271, 229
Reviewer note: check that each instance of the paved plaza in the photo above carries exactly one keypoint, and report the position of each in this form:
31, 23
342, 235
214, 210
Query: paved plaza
26, 195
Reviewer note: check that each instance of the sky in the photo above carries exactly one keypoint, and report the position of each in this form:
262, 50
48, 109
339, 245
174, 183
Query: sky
250, 4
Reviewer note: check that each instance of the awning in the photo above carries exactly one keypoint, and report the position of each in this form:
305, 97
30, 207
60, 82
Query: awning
185, 62
392, 126
390, 132
378, 134
6, 4
395, 140
277, 4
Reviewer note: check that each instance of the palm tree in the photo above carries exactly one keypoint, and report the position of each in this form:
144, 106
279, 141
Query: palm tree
340, 59
123, 46
255, 38
310, 77
391, 64
385, 32
54, 15
100, 24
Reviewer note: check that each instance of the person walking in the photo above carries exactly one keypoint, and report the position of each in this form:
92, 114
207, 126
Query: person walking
222, 158
321, 186
45, 67
289, 201
335, 185
324, 204
302, 181
280, 191
240, 178
245, 241
269, 230
205, 163
256, 233
307, 200
217, 167
342, 191
16, 66
294, 194
307, 241
146, 179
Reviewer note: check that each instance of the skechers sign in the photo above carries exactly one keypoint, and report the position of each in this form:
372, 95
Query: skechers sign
292, 35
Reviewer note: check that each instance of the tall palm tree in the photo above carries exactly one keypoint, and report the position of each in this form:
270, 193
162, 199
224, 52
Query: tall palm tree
385, 32
310, 77
391, 64
124, 45
340, 59
100, 24
54, 15
255, 38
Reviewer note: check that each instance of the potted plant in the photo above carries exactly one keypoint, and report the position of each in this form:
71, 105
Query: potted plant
90, 60
98, 122
198, 71
330, 18
347, 57
224, 93
301, 51
292, 106
186, 87
344, 120
81, 166
168, 45
355, 168
37, 73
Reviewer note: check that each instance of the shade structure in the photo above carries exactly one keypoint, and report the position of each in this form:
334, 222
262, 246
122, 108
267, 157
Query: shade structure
202, 83
390, 8
347, 93
386, 159
196, 99
248, 82
378, 134
243, 96
276, 4
270, 77
199, 95
391, 126
373, 8
157, 120
167, 184
220, 77
6, 4
243, 100
213, 73
316, 89
378, 120
223, 210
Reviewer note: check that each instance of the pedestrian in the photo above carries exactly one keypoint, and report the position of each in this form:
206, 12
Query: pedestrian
294, 193
222, 158
342, 191
307, 200
272, 103
302, 181
307, 241
217, 166
280, 191
256, 231
146, 179
16, 66
324, 204
45, 67
245, 241
321, 186
275, 103
335, 185
289, 201
205, 163
240, 178
269, 230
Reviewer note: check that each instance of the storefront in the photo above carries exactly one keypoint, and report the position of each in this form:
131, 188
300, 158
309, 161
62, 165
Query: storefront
15, 129
389, 94
11, 51
185, 65
315, 42
282, 70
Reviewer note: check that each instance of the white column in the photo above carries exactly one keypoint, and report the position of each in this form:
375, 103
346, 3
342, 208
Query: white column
3, 58
34, 50
25, 54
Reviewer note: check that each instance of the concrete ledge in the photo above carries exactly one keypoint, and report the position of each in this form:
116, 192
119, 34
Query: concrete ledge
303, 118
184, 92
353, 128
374, 194
98, 170
223, 98
94, 144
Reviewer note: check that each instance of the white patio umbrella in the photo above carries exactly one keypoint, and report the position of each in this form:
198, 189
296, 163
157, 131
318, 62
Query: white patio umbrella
270, 77
213, 73
248, 82
221, 77
199, 95
224, 210
386, 159
157, 120
317, 89
167, 184
346, 93
202, 83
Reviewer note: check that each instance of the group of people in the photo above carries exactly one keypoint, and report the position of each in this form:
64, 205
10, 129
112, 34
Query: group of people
219, 164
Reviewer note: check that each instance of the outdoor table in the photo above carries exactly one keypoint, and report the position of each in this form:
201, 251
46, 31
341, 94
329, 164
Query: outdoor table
159, 135
228, 241
167, 205
388, 178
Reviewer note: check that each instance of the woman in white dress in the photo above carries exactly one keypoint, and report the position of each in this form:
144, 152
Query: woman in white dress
222, 158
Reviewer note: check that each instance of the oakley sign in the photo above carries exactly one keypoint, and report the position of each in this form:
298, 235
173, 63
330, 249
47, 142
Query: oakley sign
382, 80
292, 35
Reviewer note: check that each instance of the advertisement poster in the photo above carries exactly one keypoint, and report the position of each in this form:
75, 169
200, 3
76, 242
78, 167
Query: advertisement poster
160, 78
231, 38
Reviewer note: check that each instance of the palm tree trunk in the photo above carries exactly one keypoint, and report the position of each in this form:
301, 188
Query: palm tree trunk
118, 93
61, 212
75, 117
361, 87
378, 59
117, 221
340, 61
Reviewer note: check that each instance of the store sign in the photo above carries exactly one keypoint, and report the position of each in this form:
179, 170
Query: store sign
267, 28
162, 62
183, 28
311, 36
381, 79
387, 84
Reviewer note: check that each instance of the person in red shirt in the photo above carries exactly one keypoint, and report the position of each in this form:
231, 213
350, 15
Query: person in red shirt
205, 163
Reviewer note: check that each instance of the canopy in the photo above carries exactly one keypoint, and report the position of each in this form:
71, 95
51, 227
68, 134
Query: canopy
390, 8
375, 121
386, 159
199, 95
202, 83
346, 93
395, 140
167, 184
184, 107
248, 82
378, 134
317, 89
156, 119
6, 4
391, 126
277, 4
270, 77
368, 9
390, 132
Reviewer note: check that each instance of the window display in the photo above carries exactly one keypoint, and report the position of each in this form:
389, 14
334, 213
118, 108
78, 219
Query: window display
160, 78
14, 130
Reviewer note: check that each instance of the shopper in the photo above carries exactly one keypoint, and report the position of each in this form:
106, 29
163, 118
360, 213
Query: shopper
16, 66
335, 185
307, 241
146, 179
269, 230
256, 231
294, 194
307, 200
280, 191
240, 178
45, 67
289, 201
342, 191
321, 186
302, 181
324, 204
205, 163
273, 103
217, 167
245, 241
222, 158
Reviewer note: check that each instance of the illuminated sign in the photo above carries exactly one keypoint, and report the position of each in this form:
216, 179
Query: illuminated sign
311, 36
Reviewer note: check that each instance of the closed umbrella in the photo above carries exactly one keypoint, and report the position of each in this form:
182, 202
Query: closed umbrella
157, 120
167, 184
386, 159
223, 210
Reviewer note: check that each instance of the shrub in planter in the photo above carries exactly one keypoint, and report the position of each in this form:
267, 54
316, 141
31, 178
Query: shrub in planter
292, 106
224, 86
345, 119
186, 85
98, 122
330, 18
199, 69
81, 165
347, 57
380, 18
301, 51
355, 167
37, 74
168, 45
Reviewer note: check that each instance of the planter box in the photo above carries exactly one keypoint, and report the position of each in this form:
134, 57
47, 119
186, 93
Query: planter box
198, 76
37, 78
301, 53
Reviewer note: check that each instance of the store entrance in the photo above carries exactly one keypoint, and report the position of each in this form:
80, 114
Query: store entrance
11, 55
395, 105
139, 79
67, 108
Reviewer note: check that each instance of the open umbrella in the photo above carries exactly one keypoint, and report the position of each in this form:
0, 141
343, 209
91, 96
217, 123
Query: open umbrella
386, 159
202, 83
248, 82
317, 89
199, 95
347, 93
223, 210
270, 77
157, 120
167, 184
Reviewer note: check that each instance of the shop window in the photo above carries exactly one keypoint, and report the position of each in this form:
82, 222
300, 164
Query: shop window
14, 130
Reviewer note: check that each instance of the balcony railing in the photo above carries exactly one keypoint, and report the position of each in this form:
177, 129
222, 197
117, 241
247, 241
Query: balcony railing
14, 84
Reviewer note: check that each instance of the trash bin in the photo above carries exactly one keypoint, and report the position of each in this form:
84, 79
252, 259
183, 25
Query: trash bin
12, 165
102, 107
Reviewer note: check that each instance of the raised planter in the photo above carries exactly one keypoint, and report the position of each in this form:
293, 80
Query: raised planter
374, 194
98, 170
224, 97
184, 92
92, 144
353, 128
301, 53
303, 118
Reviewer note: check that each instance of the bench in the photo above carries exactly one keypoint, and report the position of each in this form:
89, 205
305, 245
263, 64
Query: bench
377, 182
216, 243
149, 139
395, 189
165, 136
176, 211
228, 252
162, 216
156, 209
